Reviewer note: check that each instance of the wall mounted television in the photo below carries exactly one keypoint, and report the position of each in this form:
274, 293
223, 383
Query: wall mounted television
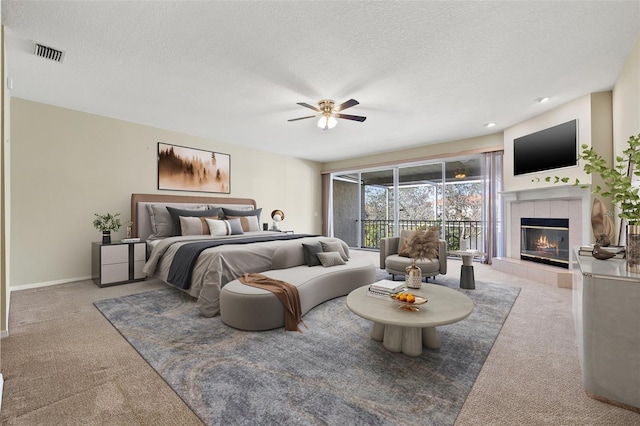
548, 149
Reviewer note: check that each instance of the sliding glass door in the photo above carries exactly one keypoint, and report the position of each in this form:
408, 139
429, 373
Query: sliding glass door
372, 204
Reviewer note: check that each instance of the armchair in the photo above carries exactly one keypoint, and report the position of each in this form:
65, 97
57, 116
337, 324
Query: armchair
394, 264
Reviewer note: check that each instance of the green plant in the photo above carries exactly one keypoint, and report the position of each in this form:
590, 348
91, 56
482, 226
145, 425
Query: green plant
107, 222
617, 178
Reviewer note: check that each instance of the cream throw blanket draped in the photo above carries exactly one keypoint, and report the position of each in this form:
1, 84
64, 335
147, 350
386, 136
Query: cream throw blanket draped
287, 293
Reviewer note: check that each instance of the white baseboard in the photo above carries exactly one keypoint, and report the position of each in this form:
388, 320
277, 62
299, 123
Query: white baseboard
47, 283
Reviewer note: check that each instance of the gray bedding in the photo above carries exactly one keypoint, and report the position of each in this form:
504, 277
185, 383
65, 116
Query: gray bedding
217, 266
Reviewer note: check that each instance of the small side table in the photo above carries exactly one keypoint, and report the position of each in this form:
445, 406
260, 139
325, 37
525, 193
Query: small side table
467, 278
118, 263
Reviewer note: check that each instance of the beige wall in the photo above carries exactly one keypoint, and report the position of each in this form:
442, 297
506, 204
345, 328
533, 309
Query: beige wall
626, 100
577, 109
67, 165
475, 145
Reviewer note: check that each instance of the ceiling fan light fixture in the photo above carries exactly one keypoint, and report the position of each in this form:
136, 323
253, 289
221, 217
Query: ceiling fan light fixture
327, 121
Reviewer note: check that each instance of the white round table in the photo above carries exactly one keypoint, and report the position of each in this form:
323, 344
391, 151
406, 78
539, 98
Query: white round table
407, 331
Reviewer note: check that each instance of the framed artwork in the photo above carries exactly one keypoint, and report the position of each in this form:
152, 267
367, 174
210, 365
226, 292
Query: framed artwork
189, 169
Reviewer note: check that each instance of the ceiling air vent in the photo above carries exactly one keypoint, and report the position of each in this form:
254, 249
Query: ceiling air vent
48, 52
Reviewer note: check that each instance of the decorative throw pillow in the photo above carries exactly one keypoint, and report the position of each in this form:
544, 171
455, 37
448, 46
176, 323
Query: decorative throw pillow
194, 225
235, 226
161, 222
219, 227
311, 253
176, 213
236, 213
334, 246
405, 237
248, 223
331, 258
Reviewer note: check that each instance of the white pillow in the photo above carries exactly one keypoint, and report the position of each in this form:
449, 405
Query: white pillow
218, 227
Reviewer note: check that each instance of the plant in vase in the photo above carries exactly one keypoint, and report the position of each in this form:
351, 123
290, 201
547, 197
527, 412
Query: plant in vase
423, 245
107, 223
619, 188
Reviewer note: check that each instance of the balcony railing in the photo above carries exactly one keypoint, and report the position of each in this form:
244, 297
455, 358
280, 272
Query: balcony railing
373, 230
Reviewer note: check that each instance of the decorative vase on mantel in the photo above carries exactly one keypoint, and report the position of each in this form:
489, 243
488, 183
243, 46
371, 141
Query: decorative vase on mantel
106, 237
413, 275
633, 248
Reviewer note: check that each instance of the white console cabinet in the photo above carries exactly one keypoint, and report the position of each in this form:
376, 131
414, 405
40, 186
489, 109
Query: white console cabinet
606, 309
118, 263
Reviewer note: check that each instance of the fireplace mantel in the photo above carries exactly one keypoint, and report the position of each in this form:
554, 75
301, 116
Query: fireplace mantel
566, 192
558, 201
561, 201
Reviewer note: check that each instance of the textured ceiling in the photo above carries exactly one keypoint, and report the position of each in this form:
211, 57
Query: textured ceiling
424, 72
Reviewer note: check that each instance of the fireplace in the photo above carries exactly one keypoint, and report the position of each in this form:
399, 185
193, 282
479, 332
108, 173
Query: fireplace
545, 241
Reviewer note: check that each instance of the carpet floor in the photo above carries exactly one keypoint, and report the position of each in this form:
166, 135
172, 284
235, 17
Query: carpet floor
331, 373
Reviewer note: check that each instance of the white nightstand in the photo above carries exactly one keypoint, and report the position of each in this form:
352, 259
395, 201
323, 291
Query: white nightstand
118, 263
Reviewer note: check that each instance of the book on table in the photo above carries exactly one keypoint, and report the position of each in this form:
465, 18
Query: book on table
380, 294
387, 286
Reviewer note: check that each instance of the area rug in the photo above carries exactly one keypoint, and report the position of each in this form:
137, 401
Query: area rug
331, 373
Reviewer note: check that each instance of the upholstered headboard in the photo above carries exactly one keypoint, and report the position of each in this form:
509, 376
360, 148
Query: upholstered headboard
140, 216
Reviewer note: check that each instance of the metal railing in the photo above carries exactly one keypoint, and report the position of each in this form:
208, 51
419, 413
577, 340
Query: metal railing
374, 230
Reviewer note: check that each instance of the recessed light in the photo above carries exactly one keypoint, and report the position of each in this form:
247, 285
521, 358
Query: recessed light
490, 124
542, 100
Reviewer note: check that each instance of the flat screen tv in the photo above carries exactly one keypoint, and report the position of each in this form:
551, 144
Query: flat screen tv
548, 149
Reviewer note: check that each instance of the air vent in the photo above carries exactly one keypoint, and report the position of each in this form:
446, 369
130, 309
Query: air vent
48, 52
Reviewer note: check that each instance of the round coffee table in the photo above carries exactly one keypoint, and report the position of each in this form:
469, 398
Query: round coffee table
407, 331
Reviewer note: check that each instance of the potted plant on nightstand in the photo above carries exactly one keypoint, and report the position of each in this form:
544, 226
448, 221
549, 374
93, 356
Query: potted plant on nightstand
619, 188
107, 223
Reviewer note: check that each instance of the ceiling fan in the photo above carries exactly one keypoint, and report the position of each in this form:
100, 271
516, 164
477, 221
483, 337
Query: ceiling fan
328, 113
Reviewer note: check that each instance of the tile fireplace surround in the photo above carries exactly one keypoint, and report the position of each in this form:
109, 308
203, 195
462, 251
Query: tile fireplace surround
562, 202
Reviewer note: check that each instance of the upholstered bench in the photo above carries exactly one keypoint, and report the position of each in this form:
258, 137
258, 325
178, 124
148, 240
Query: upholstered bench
250, 308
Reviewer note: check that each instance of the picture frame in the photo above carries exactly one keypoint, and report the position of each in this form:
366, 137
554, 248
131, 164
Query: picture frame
182, 168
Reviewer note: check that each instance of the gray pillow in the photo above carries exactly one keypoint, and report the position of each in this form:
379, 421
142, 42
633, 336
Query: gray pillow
311, 253
236, 226
231, 212
160, 219
176, 213
331, 258
334, 246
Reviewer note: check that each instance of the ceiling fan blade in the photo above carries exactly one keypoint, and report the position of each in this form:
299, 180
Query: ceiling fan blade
302, 118
347, 104
352, 117
306, 105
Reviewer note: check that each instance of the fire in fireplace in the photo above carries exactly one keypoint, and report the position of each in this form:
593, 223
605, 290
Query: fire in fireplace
545, 241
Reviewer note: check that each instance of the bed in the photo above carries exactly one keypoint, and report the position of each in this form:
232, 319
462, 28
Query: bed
211, 260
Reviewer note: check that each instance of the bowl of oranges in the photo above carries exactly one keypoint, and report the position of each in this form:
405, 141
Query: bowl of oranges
408, 298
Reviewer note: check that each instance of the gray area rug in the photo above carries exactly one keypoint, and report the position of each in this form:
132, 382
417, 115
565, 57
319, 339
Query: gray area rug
332, 373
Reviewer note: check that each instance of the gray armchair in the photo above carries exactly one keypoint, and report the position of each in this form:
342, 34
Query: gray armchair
394, 264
